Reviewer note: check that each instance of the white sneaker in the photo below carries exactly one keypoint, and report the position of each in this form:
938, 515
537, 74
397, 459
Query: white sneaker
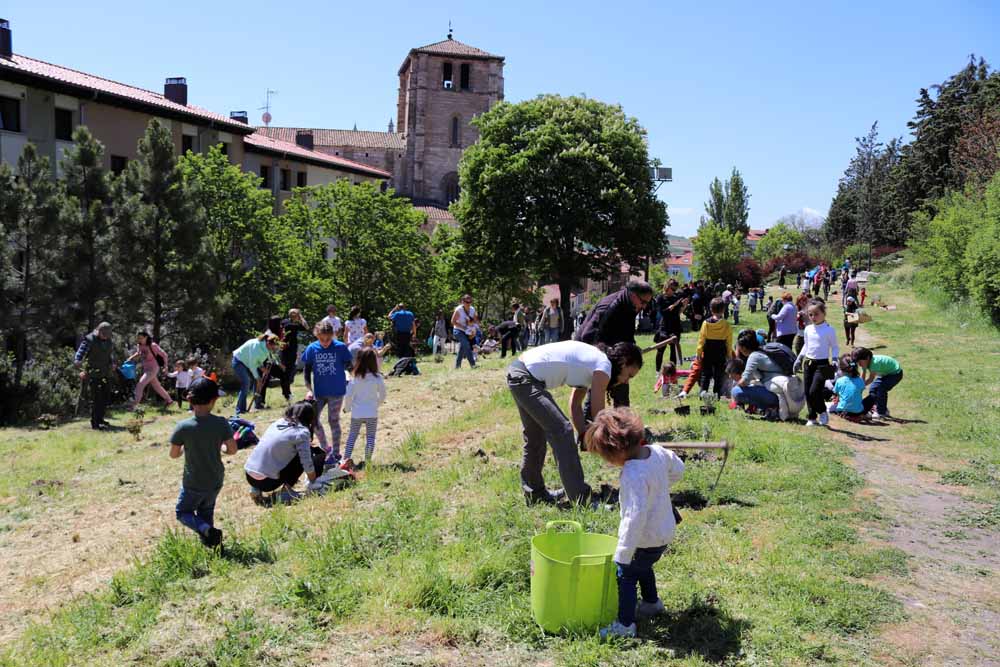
682, 395
650, 609
703, 395
810, 423
616, 629
876, 415
824, 419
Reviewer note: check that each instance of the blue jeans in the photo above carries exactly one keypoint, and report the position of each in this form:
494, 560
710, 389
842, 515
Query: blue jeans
756, 395
553, 335
196, 509
464, 349
878, 392
246, 385
639, 571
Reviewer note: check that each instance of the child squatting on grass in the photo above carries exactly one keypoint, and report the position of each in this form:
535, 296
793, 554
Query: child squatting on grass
647, 517
199, 439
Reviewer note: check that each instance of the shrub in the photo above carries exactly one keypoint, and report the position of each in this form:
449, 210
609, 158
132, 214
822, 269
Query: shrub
749, 272
50, 384
793, 261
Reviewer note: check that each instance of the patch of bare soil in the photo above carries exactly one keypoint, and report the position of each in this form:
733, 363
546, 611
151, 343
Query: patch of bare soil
104, 518
951, 595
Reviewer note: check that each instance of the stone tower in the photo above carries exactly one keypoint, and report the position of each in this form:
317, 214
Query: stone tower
442, 87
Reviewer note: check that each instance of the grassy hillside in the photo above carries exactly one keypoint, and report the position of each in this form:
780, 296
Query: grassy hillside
425, 561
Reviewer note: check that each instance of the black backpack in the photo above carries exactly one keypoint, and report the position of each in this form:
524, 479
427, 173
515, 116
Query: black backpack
781, 355
405, 366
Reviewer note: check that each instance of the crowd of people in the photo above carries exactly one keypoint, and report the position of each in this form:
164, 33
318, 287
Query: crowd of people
758, 370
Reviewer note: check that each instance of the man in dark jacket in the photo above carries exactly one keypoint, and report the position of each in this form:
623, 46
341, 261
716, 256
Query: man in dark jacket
668, 307
93, 358
612, 321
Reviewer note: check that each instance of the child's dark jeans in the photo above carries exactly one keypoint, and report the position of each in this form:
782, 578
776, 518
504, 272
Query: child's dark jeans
196, 509
639, 571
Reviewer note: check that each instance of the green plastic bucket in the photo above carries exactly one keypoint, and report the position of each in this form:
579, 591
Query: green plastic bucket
572, 578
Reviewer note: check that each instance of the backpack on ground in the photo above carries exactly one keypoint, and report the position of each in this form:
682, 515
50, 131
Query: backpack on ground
780, 355
243, 433
405, 366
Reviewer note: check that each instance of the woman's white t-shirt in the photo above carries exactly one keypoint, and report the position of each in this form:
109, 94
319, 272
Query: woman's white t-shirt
355, 329
462, 322
569, 362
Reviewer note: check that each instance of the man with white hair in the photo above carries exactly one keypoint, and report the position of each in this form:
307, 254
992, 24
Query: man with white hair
93, 358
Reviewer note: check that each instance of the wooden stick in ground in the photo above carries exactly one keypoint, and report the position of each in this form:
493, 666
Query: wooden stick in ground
662, 343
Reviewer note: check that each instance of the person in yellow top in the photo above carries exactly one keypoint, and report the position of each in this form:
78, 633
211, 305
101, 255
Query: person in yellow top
715, 347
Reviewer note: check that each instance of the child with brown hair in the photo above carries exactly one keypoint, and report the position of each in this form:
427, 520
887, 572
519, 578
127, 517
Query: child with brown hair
364, 394
647, 516
715, 347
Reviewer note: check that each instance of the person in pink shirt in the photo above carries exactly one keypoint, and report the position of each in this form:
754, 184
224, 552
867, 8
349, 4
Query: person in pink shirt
153, 358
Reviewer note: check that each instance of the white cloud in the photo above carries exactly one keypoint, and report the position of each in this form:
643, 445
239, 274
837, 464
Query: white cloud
681, 211
812, 213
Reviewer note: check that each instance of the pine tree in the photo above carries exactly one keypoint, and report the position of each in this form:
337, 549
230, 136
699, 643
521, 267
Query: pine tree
160, 273
86, 240
29, 211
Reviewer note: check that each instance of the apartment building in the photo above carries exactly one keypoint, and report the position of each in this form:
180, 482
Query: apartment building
43, 103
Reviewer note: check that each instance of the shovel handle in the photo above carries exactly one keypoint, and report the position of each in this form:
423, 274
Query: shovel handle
722, 444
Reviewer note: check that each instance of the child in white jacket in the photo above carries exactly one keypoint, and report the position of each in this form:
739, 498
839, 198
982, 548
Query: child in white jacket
364, 394
647, 516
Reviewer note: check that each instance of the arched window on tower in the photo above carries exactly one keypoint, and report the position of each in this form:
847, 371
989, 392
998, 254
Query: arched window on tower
446, 76
456, 139
449, 187
464, 81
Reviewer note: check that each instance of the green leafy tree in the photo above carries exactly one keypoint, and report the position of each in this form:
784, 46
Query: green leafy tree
558, 190
160, 245
248, 247
780, 239
29, 212
729, 203
717, 251
715, 207
737, 211
380, 254
86, 237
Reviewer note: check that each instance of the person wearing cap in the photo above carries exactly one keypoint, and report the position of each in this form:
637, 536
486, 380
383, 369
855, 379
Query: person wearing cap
94, 359
200, 439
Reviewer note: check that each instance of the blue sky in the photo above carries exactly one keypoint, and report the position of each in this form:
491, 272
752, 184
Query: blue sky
777, 89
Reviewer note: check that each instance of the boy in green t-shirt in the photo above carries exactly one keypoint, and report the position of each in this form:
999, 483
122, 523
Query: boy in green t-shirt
199, 439
881, 373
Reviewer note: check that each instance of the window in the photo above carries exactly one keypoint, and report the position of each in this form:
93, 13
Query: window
118, 164
300, 180
187, 144
265, 175
286, 179
224, 147
455, 138
64, 125
449, 184
465, 76
10, 114
447, 78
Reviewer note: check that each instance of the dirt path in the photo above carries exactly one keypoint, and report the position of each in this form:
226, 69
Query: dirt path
950, 594
70, 544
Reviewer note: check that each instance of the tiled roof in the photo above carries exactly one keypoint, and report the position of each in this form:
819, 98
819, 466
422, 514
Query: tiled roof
437, 214
293, 150
756, 234
683, 259
353, 138
453, 47
70, 77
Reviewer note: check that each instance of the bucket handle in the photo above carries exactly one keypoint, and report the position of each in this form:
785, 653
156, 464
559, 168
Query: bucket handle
577, 528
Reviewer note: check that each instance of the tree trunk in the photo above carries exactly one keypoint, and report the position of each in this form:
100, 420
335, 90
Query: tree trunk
565, 304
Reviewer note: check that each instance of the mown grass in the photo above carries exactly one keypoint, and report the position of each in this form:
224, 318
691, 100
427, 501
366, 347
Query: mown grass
769, 568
